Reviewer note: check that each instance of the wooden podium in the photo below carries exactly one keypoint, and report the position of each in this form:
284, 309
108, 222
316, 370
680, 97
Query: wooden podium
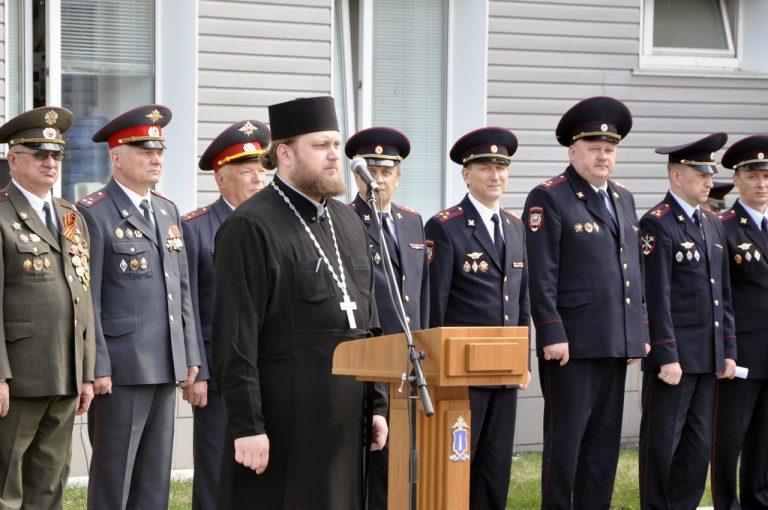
456, 358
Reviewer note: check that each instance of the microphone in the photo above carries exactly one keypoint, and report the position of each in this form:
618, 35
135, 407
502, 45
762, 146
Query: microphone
359, 167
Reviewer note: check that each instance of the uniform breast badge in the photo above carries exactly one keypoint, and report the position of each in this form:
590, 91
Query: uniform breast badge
459, 442
173, 239
737, 258
475, 265
78, 250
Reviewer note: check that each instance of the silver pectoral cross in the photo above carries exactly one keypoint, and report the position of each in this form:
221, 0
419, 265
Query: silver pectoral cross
349, 306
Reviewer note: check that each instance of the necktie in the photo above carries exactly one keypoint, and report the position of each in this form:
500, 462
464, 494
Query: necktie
608, 205
765, 228
394, 253
49, 220
697, 221
147, 213
497, 239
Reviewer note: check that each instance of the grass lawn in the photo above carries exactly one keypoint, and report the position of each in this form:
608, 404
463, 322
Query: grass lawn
523, 490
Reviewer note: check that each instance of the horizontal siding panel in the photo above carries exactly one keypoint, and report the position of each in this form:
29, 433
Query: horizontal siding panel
254, 97
562, 28
285, 12
246, 80
561, 59
219, 117
236, 3
263, 63
266, 47
247, 29
531, 42
576, 12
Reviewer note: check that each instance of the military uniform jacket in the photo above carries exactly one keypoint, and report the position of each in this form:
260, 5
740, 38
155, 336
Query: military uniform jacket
586, 274
200, 228
469, 285
747, 249
410, 266
47, 343
145, 327
688, 290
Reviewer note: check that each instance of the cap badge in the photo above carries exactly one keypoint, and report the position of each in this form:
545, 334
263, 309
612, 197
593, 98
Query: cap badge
154, 116
248, 128
249, 147
603, 127
712, 156
494, 149
49, 134
379, 149
153, 131
760, 155
51, 117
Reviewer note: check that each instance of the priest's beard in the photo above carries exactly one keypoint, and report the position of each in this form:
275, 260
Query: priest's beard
317, 184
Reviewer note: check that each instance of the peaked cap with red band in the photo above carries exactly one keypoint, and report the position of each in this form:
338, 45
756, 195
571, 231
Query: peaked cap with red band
142, 127
242, 141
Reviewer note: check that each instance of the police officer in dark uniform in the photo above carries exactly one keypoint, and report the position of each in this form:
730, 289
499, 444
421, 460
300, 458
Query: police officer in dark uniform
716, 200
234, 158
742, 404
478, 272
384, 149
146, 342
692, 334
587, 305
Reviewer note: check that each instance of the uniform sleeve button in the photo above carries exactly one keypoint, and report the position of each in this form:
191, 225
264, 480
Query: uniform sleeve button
629, 301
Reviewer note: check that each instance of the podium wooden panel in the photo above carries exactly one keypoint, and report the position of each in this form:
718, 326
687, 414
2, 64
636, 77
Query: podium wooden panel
456, 358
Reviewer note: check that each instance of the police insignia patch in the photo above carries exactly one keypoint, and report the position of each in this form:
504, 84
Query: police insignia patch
649, 243
430, 250
535, 218
459, 442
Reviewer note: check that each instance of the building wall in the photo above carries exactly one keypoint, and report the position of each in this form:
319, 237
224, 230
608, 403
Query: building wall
545, 56
253, 54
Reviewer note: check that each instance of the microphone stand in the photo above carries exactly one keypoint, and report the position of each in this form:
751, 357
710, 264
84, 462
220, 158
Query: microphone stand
417, 385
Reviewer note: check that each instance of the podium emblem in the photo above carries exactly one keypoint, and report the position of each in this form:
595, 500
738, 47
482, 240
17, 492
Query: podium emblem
460, 440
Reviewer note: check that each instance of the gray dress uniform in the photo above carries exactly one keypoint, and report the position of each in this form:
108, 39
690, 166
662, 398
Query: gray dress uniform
145, 339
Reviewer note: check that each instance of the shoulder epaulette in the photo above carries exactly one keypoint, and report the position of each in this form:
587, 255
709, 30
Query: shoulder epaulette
195, 214
64, 203
157, 193
93, 198
446, 215
659, 211
3, 196
727, 215
511, 215
353, 206
617, 183
554, 181
407, 209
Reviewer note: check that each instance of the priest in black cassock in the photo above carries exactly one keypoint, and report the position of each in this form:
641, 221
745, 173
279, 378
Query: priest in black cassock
292, 280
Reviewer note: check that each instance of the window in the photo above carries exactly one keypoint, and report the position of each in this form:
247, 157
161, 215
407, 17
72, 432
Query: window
690, 34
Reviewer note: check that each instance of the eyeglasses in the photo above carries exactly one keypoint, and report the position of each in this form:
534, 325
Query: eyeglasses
43, 155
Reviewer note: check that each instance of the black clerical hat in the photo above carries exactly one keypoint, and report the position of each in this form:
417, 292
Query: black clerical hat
40, 128
379, 146
301, 116
494, 144
750, 153
699, 154
242, 141
142, 127
596, 118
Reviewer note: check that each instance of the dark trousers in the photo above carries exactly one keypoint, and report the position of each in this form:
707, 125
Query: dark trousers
35, 445
583, 406
210, 424
492, 437
378, 478
741, 427
675, 441
131, 431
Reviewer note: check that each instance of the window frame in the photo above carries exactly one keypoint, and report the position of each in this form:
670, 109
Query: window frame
652, 57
